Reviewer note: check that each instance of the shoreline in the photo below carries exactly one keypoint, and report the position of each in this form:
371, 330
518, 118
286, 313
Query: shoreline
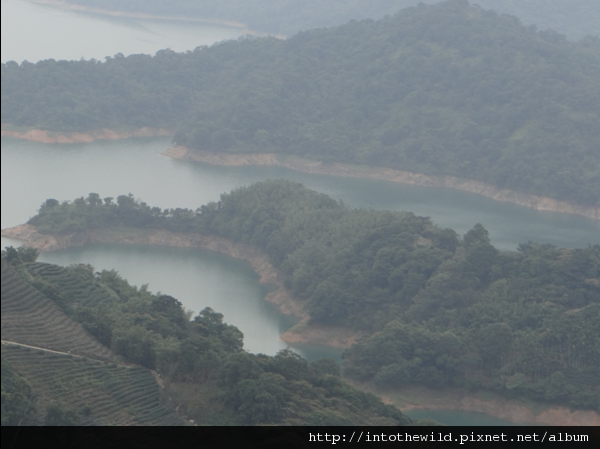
536, 202
490, 403
385, 174
333, 336
409, 398
43, 136
268, 274
139, 15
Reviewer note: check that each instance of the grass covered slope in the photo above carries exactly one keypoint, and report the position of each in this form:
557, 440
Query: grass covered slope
29, 317
447, 89
203, 368
53, 371
440, 309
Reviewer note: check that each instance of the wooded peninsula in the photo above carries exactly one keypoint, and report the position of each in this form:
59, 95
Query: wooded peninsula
445, 89
434, 308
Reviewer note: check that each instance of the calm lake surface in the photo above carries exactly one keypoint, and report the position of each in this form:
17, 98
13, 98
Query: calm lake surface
32, 172
34, 32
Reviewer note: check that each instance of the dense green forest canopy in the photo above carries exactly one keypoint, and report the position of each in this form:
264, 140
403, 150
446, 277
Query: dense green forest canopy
201, 362
442, 309
449, 89
575, 18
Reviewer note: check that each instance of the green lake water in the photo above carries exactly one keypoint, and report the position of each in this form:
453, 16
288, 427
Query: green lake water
34, 32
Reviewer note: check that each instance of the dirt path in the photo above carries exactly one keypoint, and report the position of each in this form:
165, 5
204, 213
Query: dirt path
4, 342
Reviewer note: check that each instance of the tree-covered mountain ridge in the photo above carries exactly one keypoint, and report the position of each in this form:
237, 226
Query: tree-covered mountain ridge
447, 89
434, 308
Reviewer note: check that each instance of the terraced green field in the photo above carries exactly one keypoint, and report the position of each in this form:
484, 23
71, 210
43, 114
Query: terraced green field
30, 318
99, 393
76, 287
78, 376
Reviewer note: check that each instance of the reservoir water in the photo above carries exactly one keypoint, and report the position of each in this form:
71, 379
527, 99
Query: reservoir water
34, 32
32, 172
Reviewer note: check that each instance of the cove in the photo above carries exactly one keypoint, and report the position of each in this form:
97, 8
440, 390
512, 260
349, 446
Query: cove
205, 279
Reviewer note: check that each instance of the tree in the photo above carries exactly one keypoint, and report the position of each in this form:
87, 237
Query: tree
493, 341
94, 199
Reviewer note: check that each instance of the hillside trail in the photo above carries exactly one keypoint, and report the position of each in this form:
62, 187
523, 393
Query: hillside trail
14, 343
4, 342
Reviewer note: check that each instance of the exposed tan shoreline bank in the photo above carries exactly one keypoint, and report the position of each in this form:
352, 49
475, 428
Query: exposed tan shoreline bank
386, 174
423, 398
38, 135
138, 15
338, 337
309, 166
281, 297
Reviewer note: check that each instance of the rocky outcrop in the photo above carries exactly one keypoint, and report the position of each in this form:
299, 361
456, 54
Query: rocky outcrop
385, 174
38, 135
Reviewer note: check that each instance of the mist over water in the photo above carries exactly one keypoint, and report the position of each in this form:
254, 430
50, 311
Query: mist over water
34, 32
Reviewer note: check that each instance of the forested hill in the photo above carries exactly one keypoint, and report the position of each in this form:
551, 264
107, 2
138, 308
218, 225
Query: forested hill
204, 371
575, 18
441, 309
444, 89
